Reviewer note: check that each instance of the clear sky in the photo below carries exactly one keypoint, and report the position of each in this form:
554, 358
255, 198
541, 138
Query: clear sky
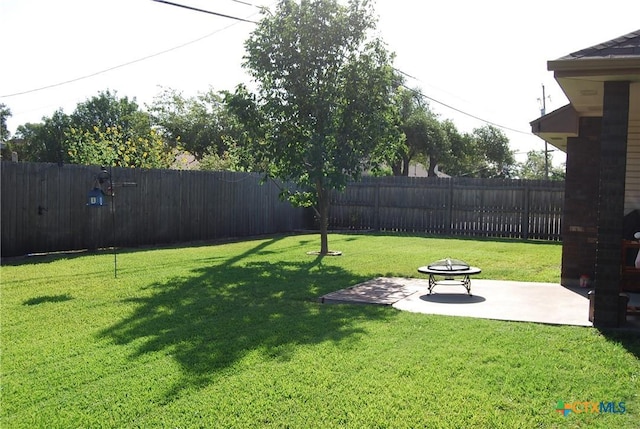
486, 58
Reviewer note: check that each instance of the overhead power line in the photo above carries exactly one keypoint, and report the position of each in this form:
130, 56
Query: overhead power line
217, 31
420, 93
206, 11
246, 3
128, 63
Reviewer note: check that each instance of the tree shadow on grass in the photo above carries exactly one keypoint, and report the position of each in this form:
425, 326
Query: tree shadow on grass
47, 298
237, 306
629, 339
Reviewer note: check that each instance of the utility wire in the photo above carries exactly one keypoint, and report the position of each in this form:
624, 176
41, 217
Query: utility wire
205, 11
111, 68
246, 3
217, 31
76, 79
420, 93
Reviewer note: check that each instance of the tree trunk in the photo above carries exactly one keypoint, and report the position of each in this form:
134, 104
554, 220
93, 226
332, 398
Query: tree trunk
323, 210
405, 166
432, 166
396, 168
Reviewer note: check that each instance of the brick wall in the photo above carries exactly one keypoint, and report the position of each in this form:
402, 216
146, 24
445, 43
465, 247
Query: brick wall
579, 232
613, 160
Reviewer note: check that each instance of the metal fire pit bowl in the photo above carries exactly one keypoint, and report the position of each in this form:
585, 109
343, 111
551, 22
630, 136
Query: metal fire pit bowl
449, 269
448, 265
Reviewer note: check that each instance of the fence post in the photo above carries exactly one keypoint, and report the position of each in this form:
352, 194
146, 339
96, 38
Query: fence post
449, 207
525, 214
376, 221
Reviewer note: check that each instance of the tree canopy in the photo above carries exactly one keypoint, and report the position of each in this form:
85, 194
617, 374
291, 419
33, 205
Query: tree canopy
433, 143
103, 130
535, 167
483, 153
496, 159
424, 137
5, 113
323, 110
201, 125
44, 141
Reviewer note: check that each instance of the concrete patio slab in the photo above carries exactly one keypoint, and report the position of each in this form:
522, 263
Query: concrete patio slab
383, 290
491, 299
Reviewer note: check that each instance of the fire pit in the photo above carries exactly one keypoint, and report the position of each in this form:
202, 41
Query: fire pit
448, 269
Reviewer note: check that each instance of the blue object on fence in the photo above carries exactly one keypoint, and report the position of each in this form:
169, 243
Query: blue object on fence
95, 197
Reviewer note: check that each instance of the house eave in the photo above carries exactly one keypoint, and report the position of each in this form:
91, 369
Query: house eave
555, 127
597, 66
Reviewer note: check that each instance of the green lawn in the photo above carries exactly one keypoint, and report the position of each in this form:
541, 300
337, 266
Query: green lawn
232, 335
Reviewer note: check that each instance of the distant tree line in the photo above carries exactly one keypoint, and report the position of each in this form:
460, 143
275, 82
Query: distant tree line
110, 130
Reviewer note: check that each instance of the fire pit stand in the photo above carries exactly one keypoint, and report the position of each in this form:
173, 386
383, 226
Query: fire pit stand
449, 269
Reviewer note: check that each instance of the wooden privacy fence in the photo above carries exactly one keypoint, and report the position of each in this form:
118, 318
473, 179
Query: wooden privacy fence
44, 208
527, 209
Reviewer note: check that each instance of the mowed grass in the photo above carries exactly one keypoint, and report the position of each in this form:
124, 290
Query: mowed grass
233, 336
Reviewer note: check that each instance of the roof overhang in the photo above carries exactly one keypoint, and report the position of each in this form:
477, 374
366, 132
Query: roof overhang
582, 76
582, 79
557, 126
